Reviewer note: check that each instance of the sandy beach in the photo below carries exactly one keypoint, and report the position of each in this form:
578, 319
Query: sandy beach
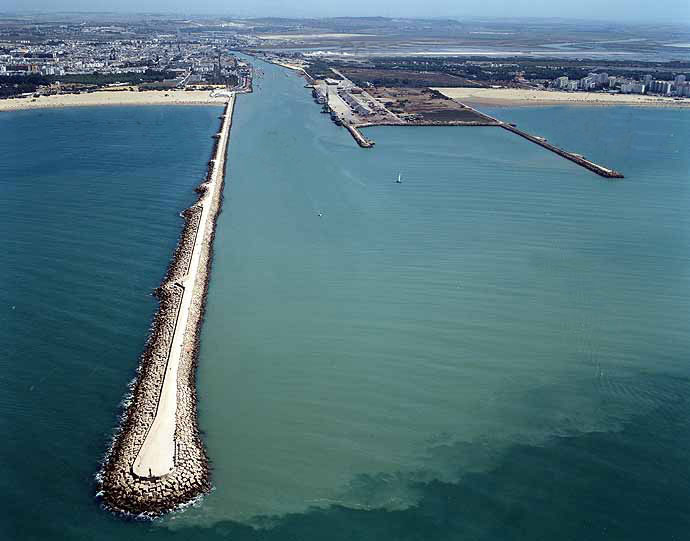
151, 97
515, 96
288, 65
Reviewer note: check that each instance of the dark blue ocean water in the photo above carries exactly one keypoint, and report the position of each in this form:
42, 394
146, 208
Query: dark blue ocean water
495, 349
89, 213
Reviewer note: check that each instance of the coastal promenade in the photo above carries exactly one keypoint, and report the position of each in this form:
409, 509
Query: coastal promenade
157, 460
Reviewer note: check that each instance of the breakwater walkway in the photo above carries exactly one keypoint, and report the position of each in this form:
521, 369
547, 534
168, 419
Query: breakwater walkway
157, 460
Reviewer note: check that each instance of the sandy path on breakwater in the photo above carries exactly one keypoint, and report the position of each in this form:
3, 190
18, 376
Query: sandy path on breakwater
121, 489
518, 96
122, 97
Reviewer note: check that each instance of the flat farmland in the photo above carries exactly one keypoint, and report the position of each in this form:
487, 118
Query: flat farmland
424, 105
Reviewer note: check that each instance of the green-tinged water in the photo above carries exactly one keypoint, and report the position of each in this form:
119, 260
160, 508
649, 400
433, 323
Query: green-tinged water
494, 349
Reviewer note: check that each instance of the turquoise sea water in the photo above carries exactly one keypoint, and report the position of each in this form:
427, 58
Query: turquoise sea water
494, 349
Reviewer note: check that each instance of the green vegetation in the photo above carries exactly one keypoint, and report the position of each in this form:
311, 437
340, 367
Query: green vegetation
14, 85
18, 84
100, 79
408, 72
318, 69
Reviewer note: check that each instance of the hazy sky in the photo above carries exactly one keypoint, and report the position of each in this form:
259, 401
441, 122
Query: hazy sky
622, 10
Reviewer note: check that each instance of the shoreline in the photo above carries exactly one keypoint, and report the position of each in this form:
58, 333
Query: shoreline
293, 67
298, 69
182, 299
108, 98
515, 97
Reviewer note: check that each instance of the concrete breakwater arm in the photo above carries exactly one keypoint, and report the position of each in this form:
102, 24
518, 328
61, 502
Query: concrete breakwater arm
579, 160
576, 158
359, 137
157, 461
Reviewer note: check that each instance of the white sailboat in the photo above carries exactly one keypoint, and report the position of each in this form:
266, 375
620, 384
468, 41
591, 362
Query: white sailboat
399, 181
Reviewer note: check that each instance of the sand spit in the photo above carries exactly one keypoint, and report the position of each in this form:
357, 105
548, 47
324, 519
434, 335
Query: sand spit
123, 97
121, 490
518, 96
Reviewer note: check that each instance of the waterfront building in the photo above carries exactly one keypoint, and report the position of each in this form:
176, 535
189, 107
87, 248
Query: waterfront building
589, 82
632, 87
561, 82
660, 87
664, 87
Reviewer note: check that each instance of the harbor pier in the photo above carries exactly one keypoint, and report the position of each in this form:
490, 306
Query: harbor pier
576, 158
481, 119
359, 137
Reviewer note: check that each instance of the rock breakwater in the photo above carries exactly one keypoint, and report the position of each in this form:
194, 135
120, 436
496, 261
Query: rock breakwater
123, 487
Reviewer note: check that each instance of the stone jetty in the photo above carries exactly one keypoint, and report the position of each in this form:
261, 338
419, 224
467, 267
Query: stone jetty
157, 461
359, 137
575, 158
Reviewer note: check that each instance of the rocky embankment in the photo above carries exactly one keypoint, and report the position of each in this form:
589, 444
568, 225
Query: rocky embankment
121, 490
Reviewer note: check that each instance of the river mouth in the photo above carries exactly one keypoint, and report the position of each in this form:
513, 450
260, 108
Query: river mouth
379, 337
497, 344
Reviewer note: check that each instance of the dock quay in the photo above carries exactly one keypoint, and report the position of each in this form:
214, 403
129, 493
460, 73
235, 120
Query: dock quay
364, 142
491, 121
353, 107
157, 462
426, 123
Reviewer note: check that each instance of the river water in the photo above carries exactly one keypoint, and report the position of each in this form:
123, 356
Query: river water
494, 349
